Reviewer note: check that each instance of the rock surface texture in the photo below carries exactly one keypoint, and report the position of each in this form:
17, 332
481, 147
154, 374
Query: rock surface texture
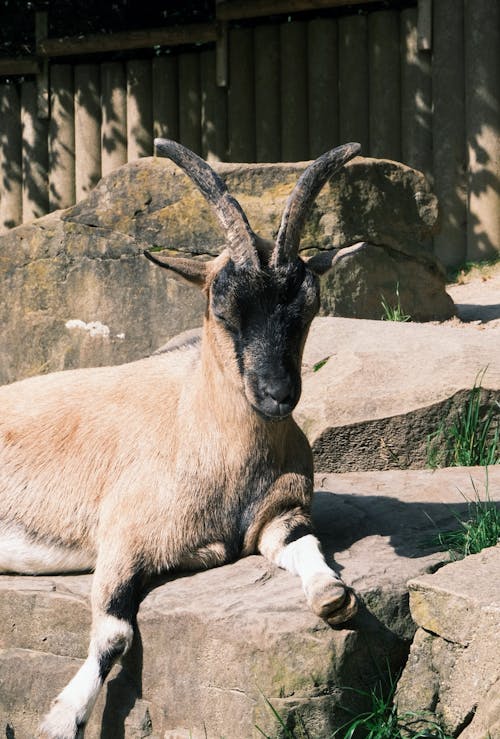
386, 386
76, 290
212, 646
453, 672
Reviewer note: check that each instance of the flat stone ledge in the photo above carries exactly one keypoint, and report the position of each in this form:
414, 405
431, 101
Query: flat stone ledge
212, 644
453, 671
460, 599
373, 391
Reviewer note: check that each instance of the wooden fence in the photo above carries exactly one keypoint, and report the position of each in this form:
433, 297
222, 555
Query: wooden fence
422, 90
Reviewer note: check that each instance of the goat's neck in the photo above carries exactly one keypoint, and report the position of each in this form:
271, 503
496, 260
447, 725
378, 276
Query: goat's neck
221, 393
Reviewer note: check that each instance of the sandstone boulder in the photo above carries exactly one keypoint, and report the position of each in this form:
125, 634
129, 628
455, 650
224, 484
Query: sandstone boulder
453, 672
213, 646
374, 200
76, 290
373, 391
361, 283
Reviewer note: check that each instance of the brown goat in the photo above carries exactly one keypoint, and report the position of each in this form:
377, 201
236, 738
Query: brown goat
187, 459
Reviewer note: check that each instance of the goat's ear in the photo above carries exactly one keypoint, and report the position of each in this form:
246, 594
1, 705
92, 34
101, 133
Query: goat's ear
325, 260
190, 269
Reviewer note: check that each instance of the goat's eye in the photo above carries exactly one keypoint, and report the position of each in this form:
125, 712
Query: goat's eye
226, 320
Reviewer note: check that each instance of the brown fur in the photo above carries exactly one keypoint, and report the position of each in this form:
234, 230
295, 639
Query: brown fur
186, 459
115, 449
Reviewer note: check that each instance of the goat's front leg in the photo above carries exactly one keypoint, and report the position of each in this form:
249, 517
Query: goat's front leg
115, 600
289, 542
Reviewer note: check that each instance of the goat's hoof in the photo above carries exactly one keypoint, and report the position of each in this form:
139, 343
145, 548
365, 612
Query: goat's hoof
59, 723
331, 599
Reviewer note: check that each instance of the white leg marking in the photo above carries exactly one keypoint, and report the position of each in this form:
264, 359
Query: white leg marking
325, 592
74, 704
21, 554
303, 557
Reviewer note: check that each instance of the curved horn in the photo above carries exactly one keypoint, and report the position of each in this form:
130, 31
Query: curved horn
302, 197
240, 237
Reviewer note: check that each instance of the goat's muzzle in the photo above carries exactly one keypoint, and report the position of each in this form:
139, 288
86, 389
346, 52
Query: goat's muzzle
274, 397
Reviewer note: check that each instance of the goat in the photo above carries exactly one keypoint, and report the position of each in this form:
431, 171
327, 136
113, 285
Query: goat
187, 459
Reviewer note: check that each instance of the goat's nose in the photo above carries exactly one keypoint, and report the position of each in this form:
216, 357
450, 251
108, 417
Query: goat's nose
275, 395
279, 389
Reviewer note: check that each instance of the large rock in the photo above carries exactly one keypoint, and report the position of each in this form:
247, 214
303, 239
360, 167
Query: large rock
385, 386
213, 646
363, 282
453, 672
374, 200
76, 290
76, 296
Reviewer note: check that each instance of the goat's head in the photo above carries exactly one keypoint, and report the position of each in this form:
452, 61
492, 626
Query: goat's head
262, 297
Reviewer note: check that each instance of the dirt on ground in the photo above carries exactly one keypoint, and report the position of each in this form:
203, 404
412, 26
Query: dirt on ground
476, 295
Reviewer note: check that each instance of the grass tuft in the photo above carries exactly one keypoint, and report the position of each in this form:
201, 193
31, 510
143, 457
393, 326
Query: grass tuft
394, 312
299, 732
474, 270
381, 721
473, 439
478, 530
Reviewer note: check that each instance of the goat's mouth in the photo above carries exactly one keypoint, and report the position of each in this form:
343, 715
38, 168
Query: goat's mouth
274, 399
279, 413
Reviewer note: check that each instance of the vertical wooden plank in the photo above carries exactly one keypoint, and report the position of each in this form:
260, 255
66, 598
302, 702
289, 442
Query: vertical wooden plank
353, 81
384, 81
208, 104
139, 109
213, 109
42, 78
221, 54
190, 101
294, 97
10, 157
323, 86
114, 116
87, 128
267, 93
241, 96
424, 25
416, 98
34, 155
165, 97
448, 130
61, 138
482, 110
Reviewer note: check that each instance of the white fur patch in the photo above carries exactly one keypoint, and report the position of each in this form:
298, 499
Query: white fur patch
74, 704
20, 554
304, 558
107, 632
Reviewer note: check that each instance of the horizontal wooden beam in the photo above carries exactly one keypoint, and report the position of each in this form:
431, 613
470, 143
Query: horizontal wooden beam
18, 66
193, 33
231, 10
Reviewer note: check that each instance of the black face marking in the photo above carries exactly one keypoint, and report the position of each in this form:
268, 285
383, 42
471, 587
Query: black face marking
267, 313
